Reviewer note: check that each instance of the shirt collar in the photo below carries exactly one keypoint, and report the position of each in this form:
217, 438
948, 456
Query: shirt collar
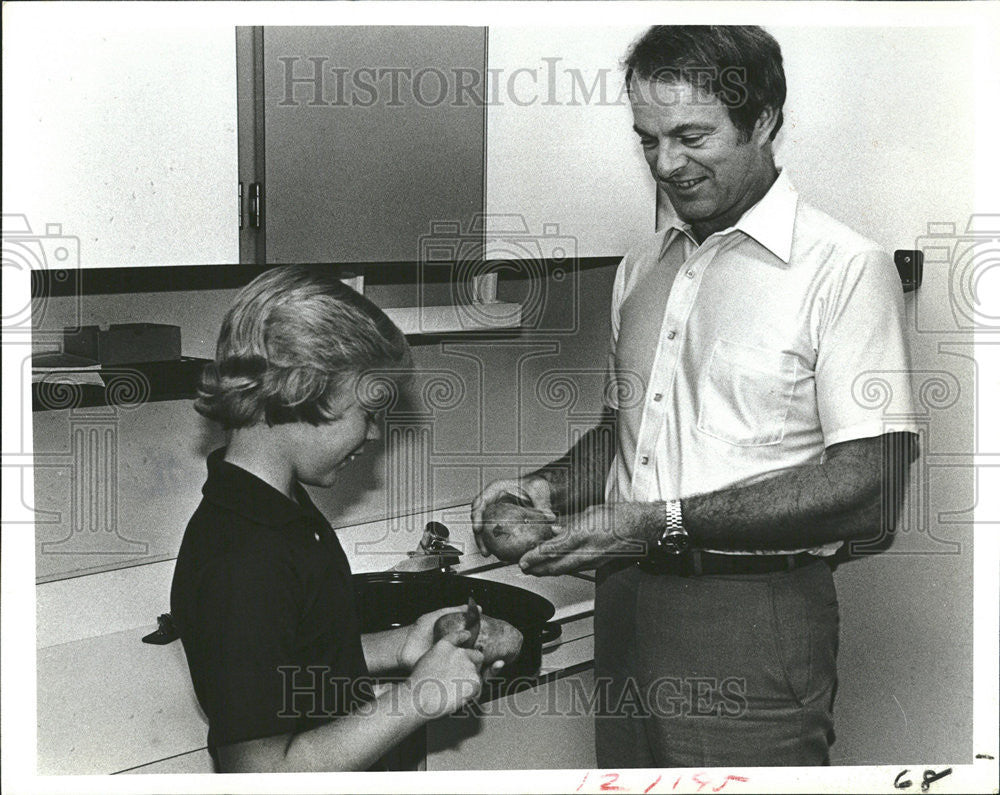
245, 494
771, 221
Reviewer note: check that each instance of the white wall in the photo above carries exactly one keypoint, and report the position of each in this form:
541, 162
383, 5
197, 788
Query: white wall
123, 134
559, 146
879, 132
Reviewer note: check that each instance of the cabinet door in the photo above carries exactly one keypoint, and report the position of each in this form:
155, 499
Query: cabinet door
563, 165
371, 134
550, 727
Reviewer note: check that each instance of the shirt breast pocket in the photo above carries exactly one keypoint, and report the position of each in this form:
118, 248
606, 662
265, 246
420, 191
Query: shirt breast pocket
745, 394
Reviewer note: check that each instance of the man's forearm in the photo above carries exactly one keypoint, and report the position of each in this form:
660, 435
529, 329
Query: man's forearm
857, 493
791, 511
577, 479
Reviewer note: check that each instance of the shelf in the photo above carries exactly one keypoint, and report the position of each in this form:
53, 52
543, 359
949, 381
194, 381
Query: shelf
75, 282
125, 386
461, 317
130, 385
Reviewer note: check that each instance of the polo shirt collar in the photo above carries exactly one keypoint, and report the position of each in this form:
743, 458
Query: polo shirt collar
245, 494
771, 221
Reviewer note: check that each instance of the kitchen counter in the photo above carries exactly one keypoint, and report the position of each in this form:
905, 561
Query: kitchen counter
109, 703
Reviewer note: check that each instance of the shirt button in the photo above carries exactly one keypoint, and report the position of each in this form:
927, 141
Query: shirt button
645, 459
690, 274
658, 397
671, 335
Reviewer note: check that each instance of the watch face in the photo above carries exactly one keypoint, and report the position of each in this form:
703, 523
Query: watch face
675, 542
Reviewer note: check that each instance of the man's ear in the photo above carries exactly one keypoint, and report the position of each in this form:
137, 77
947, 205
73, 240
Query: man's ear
763, 126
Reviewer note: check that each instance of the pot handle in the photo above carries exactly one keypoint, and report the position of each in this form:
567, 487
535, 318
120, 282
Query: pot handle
550, 631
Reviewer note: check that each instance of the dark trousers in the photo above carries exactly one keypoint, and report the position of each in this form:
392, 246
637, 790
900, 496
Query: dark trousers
715, 670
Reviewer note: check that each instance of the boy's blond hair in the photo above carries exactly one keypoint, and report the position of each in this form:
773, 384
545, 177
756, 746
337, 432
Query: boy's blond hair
292, 341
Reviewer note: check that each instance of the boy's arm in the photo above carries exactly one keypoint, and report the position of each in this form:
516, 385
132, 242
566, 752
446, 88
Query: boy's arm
382, 650
356, 741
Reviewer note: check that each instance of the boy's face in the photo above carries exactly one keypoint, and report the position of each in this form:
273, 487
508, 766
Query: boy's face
319, 452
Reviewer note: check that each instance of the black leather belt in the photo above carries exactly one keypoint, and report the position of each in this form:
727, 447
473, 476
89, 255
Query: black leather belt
697, 563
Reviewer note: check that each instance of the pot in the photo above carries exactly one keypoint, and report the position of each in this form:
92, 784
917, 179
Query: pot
393, 599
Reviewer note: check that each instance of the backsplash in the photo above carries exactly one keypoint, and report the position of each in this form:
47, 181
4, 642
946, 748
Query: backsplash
478, 409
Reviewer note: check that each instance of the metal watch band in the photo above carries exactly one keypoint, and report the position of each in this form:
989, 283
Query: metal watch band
673, 513
674, 539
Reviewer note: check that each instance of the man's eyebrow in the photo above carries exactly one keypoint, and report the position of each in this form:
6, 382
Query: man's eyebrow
681, 129
689, 127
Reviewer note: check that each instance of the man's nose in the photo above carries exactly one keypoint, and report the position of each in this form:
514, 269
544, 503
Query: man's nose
374, 431
670, 158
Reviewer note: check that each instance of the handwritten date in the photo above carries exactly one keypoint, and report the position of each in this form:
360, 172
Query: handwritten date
613, 782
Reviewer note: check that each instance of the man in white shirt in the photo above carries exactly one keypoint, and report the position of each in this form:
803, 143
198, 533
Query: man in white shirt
747, 455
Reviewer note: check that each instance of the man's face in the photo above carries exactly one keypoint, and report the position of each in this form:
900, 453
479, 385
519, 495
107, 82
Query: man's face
695, 155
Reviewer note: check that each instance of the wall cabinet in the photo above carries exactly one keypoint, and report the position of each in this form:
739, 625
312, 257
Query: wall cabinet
369, 138
365, 136
366, 140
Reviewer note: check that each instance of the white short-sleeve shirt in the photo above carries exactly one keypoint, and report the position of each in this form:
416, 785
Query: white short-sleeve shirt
740, 357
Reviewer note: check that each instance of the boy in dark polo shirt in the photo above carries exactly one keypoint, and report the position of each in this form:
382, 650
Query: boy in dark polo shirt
262, 591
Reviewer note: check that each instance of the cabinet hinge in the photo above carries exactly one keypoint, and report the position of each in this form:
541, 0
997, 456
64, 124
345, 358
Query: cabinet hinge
256, 205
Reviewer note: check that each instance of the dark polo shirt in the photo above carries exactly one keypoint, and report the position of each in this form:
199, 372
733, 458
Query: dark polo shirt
263, 601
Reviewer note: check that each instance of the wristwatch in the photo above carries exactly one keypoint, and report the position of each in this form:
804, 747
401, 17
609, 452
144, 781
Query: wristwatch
674, 539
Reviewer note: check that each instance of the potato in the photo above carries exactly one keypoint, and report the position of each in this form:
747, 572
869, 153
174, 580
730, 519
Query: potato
510, 529
469, 619
496, 639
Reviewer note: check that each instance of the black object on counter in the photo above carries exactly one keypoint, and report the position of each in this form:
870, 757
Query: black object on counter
394, 599
125, 343
166, 631
126, 386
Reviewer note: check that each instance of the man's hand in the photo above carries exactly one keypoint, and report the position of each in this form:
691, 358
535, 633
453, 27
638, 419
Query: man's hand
532, 488
418, 637
590, 538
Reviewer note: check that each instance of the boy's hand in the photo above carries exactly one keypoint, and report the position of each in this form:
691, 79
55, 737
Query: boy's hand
446, 677
419, 637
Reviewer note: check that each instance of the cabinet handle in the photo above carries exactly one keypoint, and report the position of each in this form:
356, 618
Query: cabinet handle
256, 205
